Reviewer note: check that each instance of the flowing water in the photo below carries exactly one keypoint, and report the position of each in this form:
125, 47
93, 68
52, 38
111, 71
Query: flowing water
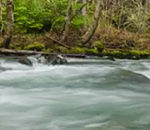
93, 94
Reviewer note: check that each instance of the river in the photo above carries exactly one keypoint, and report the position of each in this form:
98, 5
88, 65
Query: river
89, 94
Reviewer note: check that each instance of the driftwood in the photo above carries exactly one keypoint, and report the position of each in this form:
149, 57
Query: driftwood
9, 52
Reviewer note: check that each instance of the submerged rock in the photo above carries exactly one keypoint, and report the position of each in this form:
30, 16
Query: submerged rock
4, 69
19, 59
111, 58
122, 75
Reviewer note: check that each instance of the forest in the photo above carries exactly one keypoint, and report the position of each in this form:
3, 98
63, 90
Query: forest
119, 28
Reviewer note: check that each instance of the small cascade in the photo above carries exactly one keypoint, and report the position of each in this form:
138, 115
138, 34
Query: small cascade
35, 60
47, 60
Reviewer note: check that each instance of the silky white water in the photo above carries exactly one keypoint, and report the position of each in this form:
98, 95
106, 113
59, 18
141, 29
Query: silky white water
83, 95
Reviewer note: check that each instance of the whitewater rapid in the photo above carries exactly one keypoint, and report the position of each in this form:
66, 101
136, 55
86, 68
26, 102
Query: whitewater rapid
85, 94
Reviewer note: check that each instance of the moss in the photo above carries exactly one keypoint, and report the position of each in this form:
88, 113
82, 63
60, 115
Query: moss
114, 53
139, 54
93, 51
131, 54
99, 45
77, 50
35, 46
63, 50
16, 46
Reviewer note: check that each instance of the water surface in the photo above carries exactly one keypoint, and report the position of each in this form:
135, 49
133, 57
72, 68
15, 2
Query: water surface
83, 95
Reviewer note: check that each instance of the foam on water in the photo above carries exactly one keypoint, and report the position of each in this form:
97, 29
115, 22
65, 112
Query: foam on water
92, 95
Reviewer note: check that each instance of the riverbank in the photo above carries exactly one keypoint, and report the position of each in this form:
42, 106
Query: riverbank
111, 42
109, 54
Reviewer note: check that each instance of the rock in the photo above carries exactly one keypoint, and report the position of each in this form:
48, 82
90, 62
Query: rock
25, 61
42, 60
50, 60
56, 59
4, 69
111, 58
29, 61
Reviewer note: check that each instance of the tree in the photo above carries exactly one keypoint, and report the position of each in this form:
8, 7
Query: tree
10, 23
84, 9
91, 30
1, 17
68, 20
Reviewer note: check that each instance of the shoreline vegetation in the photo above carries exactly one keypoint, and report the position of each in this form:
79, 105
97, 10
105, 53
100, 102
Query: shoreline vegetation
116, 29
84, 52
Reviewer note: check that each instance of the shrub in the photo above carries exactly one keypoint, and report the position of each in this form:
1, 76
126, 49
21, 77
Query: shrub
16, 46
35, 46
98, 45
77, 50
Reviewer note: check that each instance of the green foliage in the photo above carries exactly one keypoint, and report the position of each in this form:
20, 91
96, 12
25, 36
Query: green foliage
139, 54
77, 50
91, 51
58, 22
35, 46
131, 54
98, 45
33, 17
79, 21
88, 51
36, 16
63, 50
16, 46
39, 15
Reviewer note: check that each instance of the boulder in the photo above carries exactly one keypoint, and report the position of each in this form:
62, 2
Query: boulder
25, 61
56, 60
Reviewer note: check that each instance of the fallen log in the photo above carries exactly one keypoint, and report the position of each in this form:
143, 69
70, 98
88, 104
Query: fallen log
9, 52
22, 52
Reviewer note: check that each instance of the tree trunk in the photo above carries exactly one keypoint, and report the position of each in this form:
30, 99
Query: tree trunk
144, 2
68, 21
91, 30
84, 10
84, 13
10, 23
1, 17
